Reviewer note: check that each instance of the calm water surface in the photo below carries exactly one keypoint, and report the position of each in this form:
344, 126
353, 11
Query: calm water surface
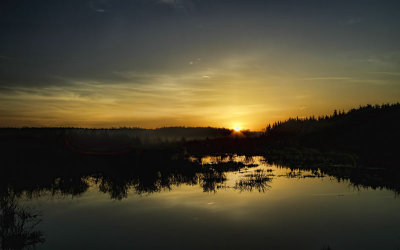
257, 207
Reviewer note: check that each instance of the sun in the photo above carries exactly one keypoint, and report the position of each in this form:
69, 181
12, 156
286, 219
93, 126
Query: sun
237, 128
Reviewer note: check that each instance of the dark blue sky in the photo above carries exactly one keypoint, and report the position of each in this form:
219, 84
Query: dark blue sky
185, 62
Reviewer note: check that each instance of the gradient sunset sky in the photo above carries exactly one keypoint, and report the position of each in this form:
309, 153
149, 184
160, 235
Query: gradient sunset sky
155, 63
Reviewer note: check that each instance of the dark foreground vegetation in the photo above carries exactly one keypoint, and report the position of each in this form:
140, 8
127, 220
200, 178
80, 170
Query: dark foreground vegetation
360, 145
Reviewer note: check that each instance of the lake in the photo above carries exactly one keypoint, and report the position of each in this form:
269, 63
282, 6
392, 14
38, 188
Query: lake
251, 205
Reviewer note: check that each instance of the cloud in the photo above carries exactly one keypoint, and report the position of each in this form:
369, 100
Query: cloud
184, 6
99, 6
354, 21
204, 97
176, 3
385, 73
328, 78
388, 61
5, 57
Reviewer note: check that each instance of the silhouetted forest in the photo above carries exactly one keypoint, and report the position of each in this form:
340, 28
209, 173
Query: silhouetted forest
367, 136
360, 145
370, 132
369, 128
67, 161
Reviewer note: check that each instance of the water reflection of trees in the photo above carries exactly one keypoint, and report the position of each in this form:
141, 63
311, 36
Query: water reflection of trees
18, 224
119, 176
116, 177
209, 177
375, 178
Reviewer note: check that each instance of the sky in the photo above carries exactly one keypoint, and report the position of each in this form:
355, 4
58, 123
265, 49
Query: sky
220, 63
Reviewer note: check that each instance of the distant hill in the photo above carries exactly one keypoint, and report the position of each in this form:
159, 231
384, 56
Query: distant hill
101, 141
166, 134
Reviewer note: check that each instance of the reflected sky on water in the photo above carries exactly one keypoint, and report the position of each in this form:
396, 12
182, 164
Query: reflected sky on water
259, 206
